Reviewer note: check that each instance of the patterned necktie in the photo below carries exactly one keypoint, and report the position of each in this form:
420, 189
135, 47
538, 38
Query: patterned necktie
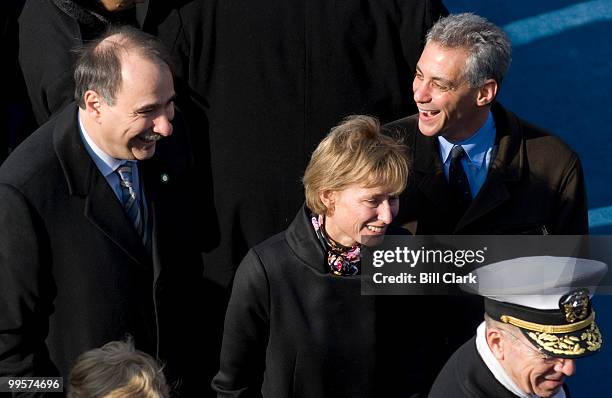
128, 198
457, 179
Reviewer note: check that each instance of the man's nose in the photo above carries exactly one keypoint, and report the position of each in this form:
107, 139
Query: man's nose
420, 90
566, 366
163, 125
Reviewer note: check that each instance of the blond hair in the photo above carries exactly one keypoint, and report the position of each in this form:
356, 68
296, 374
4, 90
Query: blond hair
355, 152
117, 370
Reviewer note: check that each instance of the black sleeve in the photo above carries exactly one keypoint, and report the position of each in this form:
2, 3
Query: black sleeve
25, 290
246, 332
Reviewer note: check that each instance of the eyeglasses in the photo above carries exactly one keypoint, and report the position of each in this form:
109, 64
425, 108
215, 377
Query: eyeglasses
537, 353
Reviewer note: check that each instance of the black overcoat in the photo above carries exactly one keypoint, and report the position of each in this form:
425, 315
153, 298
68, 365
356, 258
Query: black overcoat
292, 329
74, 274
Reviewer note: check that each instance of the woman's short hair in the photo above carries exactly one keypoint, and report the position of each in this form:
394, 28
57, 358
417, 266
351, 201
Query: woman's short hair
117, 370
355, 152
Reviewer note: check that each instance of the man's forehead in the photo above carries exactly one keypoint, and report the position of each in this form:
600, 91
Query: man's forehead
445, 61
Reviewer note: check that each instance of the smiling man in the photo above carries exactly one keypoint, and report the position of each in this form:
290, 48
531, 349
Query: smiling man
478, 168
97, 234
538, 321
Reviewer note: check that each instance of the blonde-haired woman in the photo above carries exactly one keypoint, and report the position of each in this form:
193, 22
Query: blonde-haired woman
297, 324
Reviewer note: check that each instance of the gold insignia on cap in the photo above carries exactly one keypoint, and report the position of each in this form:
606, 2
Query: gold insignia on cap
592, 336
575, 305
590, 340
559, 345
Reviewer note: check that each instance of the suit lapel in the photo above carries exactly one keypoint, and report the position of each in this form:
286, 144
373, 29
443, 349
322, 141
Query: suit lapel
150, 173
505, 168
104, 211
83, 178
427, 163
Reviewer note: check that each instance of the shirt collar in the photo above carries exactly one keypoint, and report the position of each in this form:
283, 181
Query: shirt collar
105, 163
475, 147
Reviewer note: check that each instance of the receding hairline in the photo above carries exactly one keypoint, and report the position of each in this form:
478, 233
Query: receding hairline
123, 46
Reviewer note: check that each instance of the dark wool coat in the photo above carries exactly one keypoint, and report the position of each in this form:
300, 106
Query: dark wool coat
465, 375
16, 118
74, 273
294, 330
48, 31
535, 184
273, 77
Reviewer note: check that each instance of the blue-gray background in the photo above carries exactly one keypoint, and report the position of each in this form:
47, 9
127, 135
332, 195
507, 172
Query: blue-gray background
560, 79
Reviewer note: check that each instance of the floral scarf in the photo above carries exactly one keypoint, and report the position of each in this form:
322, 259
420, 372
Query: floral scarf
341, 260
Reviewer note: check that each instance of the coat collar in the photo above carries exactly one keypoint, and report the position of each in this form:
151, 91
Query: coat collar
84, 180
506, 167
303, 241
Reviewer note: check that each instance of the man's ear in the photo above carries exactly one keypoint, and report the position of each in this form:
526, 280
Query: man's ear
496, 342
93, 104
487, 92
329, 199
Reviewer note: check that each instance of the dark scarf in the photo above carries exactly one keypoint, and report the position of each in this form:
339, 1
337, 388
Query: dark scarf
341, 260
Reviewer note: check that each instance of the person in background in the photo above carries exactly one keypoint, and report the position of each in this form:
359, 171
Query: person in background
538, 323
16, 118
117, 370
49, 29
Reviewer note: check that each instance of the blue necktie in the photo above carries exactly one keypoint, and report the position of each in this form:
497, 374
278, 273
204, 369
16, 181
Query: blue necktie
129, 200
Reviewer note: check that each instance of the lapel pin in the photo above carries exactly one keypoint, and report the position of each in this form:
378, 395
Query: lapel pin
165, 178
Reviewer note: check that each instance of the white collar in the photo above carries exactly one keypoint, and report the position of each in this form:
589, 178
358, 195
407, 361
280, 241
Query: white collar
498, 371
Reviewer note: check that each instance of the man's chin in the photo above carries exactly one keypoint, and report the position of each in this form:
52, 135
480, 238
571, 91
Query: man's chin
144, 153
550, 388
427, 130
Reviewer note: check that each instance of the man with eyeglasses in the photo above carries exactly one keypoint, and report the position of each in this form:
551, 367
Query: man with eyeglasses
538, 322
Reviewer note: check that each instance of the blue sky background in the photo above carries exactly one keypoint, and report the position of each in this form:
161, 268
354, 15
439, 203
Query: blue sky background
560, 79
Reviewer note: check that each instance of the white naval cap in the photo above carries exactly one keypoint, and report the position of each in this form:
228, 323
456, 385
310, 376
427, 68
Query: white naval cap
548, 298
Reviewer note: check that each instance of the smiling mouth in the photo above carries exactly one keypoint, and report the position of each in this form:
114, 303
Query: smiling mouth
556, 383
427, 114
149, 138
375, 229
